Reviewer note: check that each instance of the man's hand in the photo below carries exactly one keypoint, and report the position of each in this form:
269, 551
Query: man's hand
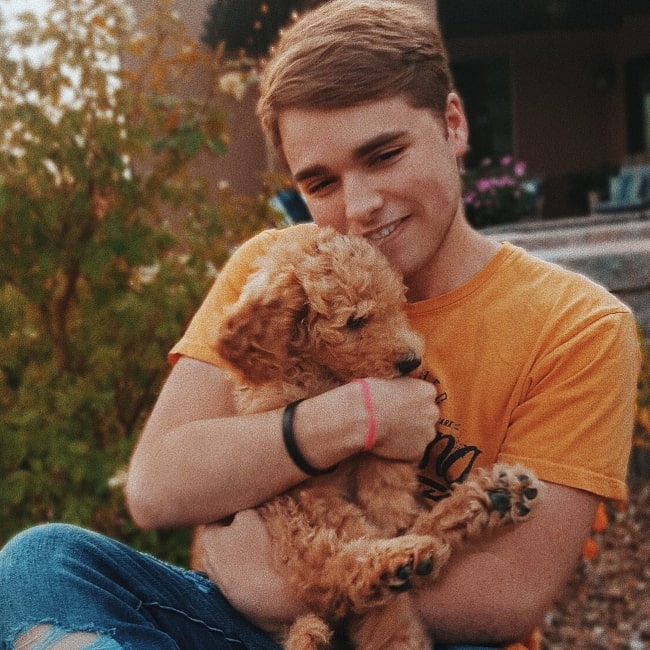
238, 559
406, 413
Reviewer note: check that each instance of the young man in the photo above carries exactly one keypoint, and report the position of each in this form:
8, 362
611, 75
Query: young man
525, 362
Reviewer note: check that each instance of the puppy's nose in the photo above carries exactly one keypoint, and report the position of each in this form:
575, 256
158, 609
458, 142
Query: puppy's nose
408, 364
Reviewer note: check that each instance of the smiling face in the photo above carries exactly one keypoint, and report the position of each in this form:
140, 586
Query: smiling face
385, 171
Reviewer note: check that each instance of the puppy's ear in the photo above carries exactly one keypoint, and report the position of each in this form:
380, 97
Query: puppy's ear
254, 337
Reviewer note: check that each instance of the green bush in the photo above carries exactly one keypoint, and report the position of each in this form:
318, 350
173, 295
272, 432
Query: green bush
95, 287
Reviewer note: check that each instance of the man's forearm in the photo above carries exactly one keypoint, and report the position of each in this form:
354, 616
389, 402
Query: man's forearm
495, 591
195, 472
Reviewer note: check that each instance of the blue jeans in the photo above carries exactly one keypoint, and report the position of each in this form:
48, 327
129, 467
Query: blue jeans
60, 581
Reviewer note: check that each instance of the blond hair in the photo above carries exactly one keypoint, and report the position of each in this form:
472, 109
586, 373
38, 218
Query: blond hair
348, 52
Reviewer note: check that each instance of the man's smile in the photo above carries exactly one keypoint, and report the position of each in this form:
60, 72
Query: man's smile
385, 231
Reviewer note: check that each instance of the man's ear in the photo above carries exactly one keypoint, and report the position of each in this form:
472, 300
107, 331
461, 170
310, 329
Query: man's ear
254, 337
457, 128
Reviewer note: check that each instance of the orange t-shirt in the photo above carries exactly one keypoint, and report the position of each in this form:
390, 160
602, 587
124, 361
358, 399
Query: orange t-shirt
533, 364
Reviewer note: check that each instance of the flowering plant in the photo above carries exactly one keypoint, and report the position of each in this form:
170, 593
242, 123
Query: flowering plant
498, 193
240, 74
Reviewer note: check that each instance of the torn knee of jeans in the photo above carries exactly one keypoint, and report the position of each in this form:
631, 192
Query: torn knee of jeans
47, 636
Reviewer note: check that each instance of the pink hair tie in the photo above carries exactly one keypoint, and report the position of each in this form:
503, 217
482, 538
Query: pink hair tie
371, 437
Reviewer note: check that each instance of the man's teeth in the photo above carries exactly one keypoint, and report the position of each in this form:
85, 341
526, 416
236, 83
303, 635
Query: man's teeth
384, 232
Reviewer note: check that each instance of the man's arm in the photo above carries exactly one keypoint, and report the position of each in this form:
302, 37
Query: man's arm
498, 589
194, 462
495, 592
197, 461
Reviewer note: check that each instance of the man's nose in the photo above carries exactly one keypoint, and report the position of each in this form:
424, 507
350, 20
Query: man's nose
362, 198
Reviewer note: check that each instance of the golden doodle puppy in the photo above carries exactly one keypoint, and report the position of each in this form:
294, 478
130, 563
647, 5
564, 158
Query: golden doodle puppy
324, 309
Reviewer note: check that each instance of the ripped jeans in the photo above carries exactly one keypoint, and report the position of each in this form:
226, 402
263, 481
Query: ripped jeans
56, 580
63, 587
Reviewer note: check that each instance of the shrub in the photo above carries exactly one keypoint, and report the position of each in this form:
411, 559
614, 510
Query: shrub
95, 286
249, 26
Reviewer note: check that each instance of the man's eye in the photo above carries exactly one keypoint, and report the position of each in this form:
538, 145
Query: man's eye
356, 322
386, 155
318, 186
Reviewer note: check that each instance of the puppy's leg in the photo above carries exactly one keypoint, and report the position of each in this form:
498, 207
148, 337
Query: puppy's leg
334, 575
489, 499
365, 573
312, 558
394, 626
308, 632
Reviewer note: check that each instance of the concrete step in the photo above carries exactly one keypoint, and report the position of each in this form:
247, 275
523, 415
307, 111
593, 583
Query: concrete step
569, 222
614, 254
563, 237
618, 265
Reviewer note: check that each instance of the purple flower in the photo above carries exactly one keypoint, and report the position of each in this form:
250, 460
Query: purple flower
484, 184
494, 191
520, 169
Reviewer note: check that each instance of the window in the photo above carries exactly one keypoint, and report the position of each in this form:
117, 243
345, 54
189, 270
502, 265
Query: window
485, 89
637, 95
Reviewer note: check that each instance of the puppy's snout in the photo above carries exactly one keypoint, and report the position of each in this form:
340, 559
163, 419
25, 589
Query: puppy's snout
408, 364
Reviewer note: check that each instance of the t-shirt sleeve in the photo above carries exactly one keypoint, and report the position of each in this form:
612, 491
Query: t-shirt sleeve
197, 341
574, 424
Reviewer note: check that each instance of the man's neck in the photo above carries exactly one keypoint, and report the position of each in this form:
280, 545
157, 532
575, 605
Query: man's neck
463, 253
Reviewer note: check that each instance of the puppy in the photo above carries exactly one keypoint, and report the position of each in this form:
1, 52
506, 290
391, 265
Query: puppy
324, 309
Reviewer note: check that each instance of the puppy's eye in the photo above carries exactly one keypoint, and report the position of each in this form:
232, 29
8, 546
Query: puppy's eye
356, 322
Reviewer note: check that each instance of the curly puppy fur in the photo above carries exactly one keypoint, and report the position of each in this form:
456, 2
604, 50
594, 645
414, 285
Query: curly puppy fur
322, 310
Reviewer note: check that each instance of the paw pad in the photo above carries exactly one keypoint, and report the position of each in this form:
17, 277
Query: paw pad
404, 572
530, 493
522, 510
512, 494
425, 567
500, 501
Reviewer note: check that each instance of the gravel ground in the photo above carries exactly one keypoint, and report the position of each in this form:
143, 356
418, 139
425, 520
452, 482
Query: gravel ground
607, 603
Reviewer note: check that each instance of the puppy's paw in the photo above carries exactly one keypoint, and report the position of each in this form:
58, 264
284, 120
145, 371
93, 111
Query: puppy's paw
512, 491
403, 578
397, 565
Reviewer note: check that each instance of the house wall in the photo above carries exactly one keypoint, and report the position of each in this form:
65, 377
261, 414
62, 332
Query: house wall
246, 161
563, 122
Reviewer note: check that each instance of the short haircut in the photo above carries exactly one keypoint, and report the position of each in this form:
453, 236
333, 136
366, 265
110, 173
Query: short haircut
349, 52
